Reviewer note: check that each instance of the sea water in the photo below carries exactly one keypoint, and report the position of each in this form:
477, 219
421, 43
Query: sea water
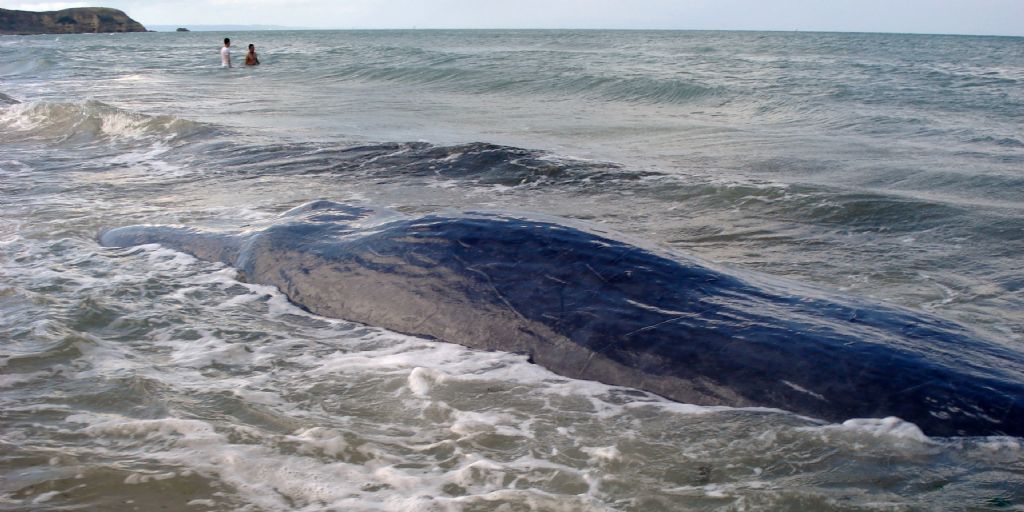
883, 166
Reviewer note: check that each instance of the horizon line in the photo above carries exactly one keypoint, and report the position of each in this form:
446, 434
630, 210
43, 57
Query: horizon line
212, 27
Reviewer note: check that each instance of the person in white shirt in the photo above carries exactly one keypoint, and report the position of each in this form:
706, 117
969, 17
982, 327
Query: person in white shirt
225, 54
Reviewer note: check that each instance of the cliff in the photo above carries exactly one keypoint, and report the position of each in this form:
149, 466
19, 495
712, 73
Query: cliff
68, 21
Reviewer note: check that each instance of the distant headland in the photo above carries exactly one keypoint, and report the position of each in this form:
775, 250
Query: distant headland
80, 20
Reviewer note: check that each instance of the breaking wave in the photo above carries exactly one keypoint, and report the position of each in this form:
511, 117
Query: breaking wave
90, 122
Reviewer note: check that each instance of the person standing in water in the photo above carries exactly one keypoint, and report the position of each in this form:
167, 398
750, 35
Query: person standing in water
225, 54
250, 58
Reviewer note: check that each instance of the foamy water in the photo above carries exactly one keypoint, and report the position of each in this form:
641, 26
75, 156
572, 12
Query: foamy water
134, 379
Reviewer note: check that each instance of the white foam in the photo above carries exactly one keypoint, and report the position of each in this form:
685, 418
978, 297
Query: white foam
422, 380
38, 408
19, 117
15, 379
891, 429
161, 258
116, 425
603, 453
141, 478
105, 361
209, 350
330, 467
264, 477
321, 440
887, 427
66, 121
468, 423
1010, 447
451, 184
44, 497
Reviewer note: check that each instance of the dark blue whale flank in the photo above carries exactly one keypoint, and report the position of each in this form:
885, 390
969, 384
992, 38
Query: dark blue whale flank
588, 306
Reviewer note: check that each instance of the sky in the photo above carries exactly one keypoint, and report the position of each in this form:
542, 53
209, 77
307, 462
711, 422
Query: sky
983, 17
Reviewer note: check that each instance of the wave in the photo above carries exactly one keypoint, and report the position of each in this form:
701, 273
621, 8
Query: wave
1005, 142
481, 164
905, 204
29, 62
897, 202
489, 79
534, 71
471, 164
90, 122
891, 211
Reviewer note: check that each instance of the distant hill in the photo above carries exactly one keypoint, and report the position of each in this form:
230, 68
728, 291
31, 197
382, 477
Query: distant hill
81, 20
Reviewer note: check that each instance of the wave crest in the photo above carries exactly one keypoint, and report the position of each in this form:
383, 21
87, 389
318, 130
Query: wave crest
635, 89
90, 122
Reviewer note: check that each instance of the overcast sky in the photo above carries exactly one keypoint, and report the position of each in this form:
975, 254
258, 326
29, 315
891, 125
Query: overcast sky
996, 17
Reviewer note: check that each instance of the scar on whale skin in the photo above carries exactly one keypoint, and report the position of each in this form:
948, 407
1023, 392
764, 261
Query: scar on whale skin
588, 306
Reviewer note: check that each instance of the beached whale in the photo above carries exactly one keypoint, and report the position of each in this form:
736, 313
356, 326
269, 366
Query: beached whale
588, 306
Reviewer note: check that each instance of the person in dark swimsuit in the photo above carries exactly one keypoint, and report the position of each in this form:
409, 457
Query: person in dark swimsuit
250, 58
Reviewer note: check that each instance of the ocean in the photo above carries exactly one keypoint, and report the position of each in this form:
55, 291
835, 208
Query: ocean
879, 166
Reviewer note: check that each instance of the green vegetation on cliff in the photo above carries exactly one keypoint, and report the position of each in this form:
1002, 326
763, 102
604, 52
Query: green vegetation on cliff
80, 20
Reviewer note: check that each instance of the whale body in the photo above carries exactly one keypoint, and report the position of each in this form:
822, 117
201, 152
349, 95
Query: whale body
587, 305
